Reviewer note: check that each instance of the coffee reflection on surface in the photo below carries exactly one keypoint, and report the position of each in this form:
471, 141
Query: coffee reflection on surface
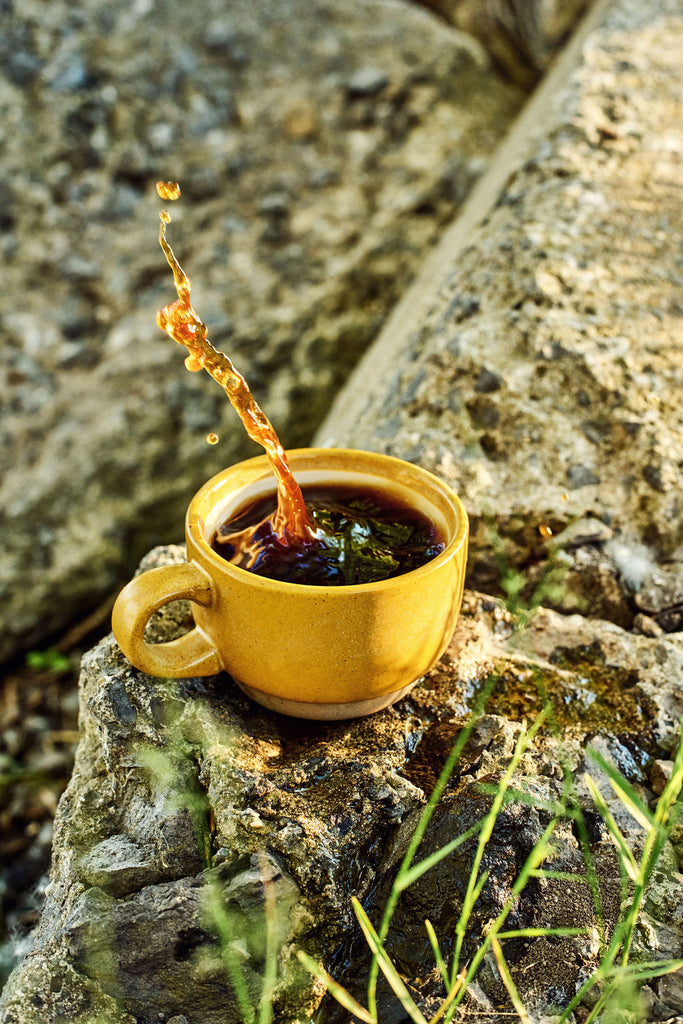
364, 535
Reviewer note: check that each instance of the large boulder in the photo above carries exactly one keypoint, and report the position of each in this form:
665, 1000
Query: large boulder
321, 147
535, 365
199, 830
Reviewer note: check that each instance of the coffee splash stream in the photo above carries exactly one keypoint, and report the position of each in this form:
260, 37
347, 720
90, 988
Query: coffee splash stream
291, 521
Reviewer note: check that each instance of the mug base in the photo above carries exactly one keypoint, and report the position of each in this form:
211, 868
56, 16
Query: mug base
324, 712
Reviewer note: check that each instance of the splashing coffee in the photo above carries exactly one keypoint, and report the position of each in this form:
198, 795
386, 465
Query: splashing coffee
291, 521
337, 536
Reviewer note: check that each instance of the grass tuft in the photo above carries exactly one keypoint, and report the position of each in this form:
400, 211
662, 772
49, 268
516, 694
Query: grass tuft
615, 981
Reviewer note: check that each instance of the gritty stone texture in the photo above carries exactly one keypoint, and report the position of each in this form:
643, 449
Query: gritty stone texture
661, 597
320, 147
544, 380
185, 792
193, 816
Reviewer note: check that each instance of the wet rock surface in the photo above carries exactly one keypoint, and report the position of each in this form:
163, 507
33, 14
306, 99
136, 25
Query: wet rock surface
186, 796
321, 148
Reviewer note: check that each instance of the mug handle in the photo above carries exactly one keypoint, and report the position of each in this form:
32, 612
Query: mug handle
190, 655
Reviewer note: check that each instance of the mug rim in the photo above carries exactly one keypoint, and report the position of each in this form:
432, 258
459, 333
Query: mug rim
195, 534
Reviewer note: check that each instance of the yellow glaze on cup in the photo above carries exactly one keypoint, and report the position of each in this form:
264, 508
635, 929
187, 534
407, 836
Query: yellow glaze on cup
309, 651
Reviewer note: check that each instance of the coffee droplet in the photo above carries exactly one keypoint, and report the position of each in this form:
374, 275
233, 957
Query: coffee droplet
193, 363
212, 439
168, 190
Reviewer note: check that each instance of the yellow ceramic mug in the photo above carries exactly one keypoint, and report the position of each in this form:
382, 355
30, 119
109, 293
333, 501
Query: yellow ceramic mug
308, 651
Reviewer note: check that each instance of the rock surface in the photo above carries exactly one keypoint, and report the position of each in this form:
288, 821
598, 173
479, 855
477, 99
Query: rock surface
197, 829
185, 792
321, 147
539, 371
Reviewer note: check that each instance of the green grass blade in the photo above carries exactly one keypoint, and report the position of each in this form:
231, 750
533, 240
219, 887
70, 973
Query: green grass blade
626, 858
436, 949
534, 857
619, 998
649, 969
625, 791
385, 965
668, 808
622, 936
461, 926
475, 884
506, 978
222, 923
265, 1010
520, 796
417, 870
562, 876
422, 824
450, 996
591, 876
534, 933
481, 882
343, 997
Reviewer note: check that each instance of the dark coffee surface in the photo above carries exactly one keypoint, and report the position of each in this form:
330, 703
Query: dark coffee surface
362, 536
